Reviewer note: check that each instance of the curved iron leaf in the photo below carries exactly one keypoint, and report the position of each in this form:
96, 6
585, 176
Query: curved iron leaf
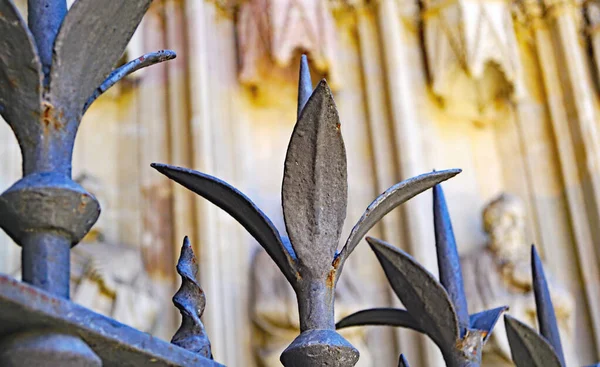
132, 66
386, 202
380, 316
315, 185
92, 38
543, 304
423, 296
21, 74
527, 347
486, 320
403, 362
239, 207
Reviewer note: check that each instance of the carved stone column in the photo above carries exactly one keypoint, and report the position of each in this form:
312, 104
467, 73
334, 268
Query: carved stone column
563, 23
418, 228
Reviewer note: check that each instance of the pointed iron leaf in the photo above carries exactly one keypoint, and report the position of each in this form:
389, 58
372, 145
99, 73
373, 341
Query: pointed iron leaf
527, 347
403, 362
315, 187
20, 74
390, 199
543, 304
422, 295
89, 43
305, 87
486, 320
239, 207
380, 316
447, 258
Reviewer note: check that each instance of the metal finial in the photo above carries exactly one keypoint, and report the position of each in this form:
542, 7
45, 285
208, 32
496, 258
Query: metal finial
450, 272
190, 300
305, 86
543, 303
403, 362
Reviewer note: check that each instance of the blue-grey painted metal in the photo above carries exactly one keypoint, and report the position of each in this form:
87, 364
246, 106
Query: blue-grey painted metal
314, 199
53, 70
191, 301
50, 72
528, 348
431, 306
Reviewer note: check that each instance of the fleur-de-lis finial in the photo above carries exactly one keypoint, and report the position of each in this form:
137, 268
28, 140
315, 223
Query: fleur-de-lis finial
191, 301
436, 308
314, 199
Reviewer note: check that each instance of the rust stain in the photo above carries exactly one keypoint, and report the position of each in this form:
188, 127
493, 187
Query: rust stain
49, 119
338, 126
82, 204
13, 83
336, 262
331, 278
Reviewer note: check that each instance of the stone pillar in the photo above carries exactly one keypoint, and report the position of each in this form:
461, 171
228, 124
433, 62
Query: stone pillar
551, 69
418, 222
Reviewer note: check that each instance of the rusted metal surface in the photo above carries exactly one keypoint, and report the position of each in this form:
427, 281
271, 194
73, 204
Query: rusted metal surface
27, 308
314, 199
191, 301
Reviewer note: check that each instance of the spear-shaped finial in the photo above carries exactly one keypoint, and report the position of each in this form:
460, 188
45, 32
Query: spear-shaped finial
305, 86
190, 300
403, 362
543, 303
450, 272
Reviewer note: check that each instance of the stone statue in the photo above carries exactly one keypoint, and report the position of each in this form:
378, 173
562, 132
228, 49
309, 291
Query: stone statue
109, 278
500, 274
274, 312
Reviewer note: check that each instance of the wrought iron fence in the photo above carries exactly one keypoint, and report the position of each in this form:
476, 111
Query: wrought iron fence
53, 70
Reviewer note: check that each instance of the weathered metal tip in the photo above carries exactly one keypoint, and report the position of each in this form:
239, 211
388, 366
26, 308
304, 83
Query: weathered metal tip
403, 362
191, 301
486, 320
129, 68
305, 86
543, 302
450, 272
527, 347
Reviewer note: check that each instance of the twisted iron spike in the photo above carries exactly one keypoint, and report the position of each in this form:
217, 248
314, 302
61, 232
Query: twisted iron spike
403, 362
448, 260
305, 86
44, 18
543, 303
190, 300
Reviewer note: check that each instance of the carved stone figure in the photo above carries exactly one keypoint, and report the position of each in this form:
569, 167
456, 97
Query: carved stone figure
272, 34
111, 279
274, 312
462, 38
500, 274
